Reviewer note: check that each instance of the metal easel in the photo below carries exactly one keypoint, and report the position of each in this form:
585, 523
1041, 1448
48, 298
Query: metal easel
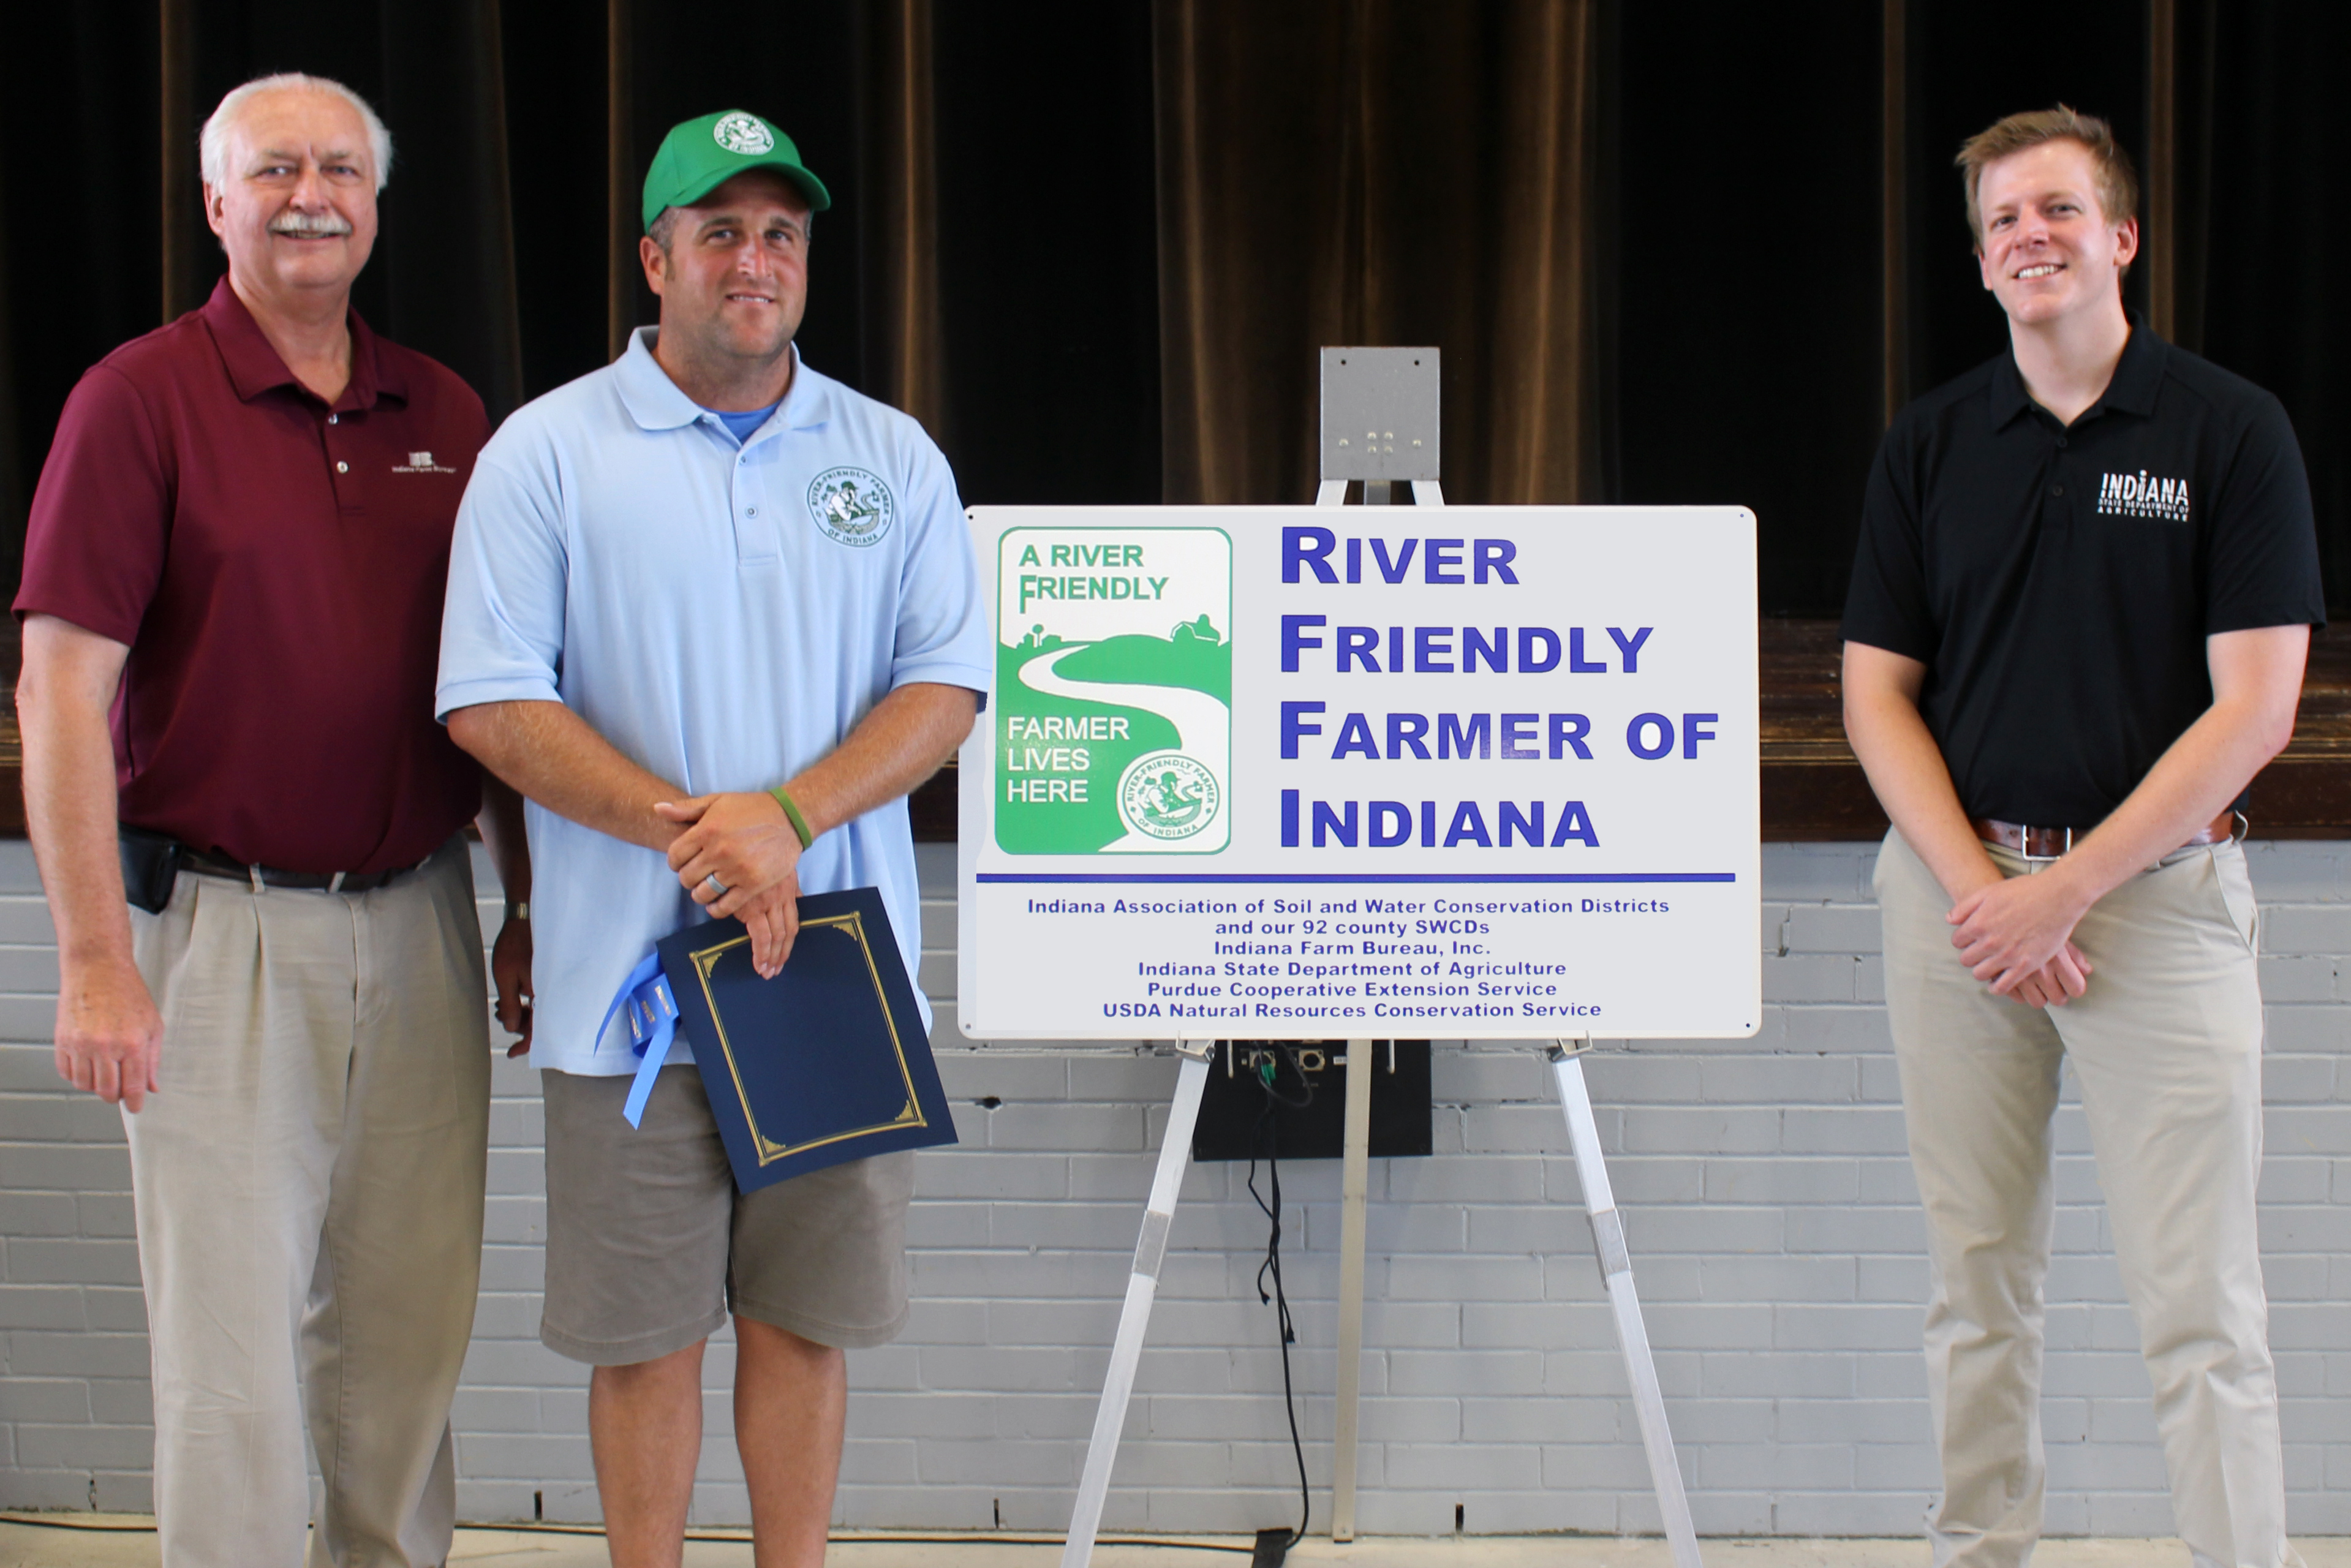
1379, 427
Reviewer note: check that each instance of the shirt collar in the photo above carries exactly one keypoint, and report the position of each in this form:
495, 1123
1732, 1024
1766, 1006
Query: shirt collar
254, 366
2138, 375
657, 403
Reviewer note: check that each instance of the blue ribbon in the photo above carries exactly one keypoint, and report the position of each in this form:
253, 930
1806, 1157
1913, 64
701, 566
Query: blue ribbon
653, 1023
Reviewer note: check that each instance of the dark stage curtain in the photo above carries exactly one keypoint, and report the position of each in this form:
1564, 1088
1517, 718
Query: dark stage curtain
1747, 235
1673, 253
2265, 229
1382, 173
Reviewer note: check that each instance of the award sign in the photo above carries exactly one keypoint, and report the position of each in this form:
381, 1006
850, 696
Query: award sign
1288, 772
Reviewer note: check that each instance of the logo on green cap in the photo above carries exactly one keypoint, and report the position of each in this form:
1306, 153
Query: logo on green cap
743, 133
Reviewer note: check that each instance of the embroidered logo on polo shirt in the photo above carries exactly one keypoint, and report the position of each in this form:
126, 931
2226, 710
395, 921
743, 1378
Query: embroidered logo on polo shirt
2141, 495
851, 506
738, 133
422, 463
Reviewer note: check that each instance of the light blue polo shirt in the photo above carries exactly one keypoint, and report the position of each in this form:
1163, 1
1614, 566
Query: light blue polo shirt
723, 613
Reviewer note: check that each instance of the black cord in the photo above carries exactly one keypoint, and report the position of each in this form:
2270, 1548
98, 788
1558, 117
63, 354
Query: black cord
1265, 1077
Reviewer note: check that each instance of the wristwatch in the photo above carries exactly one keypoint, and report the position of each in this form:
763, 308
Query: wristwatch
518, 909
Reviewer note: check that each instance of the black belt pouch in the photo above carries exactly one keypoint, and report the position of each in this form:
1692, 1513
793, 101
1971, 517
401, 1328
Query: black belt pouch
151, 864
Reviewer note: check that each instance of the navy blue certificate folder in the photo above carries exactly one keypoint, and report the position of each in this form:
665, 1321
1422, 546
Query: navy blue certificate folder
825, 1063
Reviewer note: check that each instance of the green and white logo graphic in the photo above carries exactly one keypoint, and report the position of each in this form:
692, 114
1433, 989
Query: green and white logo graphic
1167, 795
851, 506
739, 132
1114, 681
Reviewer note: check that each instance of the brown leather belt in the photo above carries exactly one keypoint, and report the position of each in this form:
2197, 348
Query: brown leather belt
2049, 843
270, 877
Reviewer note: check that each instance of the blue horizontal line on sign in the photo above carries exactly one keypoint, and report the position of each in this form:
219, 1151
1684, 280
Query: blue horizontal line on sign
1357, 876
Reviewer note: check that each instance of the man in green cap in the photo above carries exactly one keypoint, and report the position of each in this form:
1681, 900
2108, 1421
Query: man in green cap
701, 573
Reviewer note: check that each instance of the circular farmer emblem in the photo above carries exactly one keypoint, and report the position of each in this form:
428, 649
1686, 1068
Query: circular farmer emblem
1167, 795
743, 133
851, 506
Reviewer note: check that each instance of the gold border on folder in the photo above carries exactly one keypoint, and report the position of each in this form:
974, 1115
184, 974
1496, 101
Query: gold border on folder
854, 925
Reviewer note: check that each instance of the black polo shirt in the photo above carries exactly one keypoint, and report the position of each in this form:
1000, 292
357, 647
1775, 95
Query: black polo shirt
2059, 582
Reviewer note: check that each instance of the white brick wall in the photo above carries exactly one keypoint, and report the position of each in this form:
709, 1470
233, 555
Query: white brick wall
1769, 1204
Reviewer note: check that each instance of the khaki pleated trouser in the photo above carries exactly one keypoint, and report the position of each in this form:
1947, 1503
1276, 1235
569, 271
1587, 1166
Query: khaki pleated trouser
2166, 1048
309, 1187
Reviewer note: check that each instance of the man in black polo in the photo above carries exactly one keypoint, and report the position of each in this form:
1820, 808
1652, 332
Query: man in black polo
2085, 589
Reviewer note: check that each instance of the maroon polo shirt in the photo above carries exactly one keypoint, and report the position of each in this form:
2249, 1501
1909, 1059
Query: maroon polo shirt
276, 567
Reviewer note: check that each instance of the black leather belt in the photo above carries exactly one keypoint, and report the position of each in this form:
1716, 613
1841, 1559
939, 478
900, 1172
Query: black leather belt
270, 877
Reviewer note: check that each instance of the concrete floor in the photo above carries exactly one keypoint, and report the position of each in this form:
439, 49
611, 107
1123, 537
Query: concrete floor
121, 1540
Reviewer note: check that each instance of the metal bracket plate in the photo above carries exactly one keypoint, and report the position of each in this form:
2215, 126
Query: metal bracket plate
1380, 413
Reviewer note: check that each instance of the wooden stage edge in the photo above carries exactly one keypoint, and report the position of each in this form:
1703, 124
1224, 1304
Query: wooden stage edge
1813, 790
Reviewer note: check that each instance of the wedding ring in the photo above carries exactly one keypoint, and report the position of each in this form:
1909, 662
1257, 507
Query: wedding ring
717, 887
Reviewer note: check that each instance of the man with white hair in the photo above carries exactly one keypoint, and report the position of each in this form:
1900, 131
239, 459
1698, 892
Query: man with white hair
268, 955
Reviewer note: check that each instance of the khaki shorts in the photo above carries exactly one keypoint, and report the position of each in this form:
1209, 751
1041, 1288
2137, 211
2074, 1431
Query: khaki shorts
649, 1245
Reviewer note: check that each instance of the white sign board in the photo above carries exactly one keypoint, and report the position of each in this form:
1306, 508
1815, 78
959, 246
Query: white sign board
1293, 772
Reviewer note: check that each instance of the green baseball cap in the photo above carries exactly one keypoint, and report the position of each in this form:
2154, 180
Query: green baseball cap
700, 155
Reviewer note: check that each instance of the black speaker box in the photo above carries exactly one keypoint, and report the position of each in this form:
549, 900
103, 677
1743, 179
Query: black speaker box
1308, 1093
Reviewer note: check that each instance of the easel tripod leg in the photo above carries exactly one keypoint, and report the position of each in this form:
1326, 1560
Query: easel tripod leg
1632, 1335
1355, 1189
1142, 1286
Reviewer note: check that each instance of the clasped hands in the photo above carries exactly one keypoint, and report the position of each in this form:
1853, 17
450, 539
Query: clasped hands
742, 839
2016, 934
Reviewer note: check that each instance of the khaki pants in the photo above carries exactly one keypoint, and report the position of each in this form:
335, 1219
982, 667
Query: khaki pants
2167, 1047
309, 1181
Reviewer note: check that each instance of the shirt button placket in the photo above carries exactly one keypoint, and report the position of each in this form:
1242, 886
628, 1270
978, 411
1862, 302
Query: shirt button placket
746, 513
751, 542
338, 467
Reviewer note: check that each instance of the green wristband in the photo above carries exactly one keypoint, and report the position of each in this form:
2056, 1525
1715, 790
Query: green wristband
792, 811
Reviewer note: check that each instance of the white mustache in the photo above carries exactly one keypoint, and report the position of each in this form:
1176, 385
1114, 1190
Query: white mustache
304, 224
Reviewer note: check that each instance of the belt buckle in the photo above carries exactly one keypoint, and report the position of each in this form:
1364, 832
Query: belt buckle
262, 884
2024, 846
